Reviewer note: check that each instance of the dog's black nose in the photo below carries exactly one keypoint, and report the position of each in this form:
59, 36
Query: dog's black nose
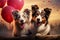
38, 19
21, 21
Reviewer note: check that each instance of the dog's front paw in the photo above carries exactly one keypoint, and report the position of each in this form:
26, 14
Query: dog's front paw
38, 34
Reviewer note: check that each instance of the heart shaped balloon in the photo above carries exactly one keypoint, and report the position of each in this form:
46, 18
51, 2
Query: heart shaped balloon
17, 4
2, 3
7, 13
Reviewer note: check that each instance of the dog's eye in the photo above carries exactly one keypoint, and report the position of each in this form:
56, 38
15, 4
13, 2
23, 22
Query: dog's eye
24, 16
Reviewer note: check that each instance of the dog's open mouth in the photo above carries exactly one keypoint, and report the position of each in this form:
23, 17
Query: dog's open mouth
38, 23
22, 25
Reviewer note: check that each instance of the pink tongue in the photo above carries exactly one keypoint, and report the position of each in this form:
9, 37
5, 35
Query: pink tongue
22, 26
38, 24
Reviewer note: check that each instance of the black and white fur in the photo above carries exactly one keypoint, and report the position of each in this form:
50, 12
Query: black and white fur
44, 28
24, 23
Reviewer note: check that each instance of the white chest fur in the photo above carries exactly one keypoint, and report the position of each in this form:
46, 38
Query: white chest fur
43, 30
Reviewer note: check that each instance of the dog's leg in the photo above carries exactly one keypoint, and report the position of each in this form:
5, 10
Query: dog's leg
14, 32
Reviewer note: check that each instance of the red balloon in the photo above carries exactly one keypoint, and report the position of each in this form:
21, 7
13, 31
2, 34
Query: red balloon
7, 13
2, 3
17, 4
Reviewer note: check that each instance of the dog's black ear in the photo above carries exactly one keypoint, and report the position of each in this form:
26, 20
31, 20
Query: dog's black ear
16, 15
33, 7
47, 9
27, 11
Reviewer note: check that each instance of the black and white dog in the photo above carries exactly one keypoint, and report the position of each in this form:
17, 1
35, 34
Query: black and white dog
44, 28
22, 24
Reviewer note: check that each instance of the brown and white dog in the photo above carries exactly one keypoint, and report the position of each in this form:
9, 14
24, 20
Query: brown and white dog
44, 28
39, 19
